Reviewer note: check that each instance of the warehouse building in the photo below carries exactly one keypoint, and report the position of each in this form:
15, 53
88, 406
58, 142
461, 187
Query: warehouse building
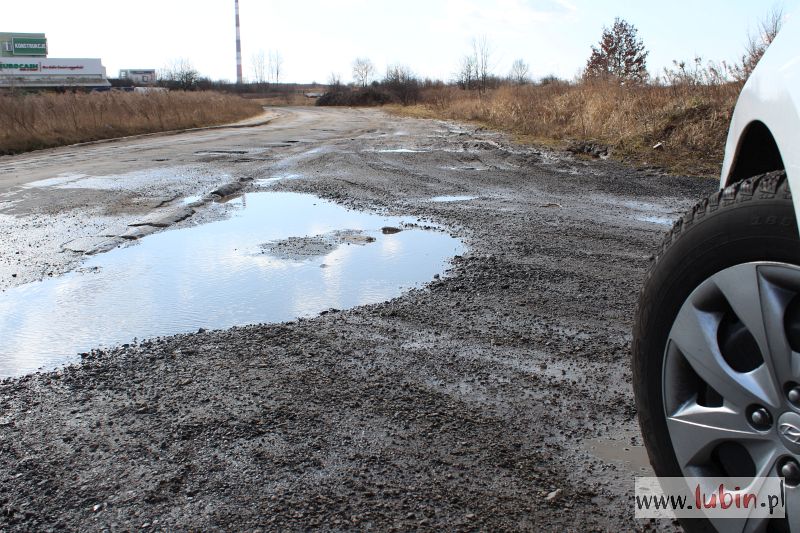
139, 76
24, 64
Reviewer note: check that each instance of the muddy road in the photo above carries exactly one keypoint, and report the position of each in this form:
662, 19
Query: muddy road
495, 397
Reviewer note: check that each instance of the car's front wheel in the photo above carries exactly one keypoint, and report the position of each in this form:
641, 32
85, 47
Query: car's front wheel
716, 347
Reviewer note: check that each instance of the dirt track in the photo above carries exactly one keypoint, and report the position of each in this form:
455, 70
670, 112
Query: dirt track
461, 405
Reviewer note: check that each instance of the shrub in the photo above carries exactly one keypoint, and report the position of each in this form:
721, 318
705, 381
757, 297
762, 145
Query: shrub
690, 122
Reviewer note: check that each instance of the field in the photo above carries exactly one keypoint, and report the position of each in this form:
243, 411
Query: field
34, 121
687, 124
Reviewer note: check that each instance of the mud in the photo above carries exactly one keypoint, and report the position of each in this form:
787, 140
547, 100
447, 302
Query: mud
469, 404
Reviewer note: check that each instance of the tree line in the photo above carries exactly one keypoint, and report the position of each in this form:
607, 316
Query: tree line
620, 55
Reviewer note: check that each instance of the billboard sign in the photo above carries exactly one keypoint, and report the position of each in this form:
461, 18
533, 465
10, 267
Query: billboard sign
28, 47
52, 67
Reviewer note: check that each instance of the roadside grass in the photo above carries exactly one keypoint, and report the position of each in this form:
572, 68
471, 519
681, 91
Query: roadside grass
35, 121
282, 100
689, 123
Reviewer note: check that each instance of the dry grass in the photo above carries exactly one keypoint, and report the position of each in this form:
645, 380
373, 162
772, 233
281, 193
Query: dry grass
283, 100
691, 122
30, 122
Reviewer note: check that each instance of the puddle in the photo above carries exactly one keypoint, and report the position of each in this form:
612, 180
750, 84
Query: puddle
135, 180
662, 214
663, 221
461, 169
192, 199
452, 198
642, 206
221, 152
633, 458
60, 180
265, 182
218, 275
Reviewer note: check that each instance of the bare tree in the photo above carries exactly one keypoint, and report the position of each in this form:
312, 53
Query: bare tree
363, 70
275, 65
465, 77
260, 71
474, 70
181, 74
519, 72
758, 42
620, 55
335, 80
481, 56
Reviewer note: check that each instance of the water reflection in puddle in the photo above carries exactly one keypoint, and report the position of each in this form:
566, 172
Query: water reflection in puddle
662, 221
265, 182
192, 199
452, 198
660, 214
401, 151
219, 275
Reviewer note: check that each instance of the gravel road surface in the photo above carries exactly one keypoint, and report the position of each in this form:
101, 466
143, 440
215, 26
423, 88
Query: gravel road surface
496, 397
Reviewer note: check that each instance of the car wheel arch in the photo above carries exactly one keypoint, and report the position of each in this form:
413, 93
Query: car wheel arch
757, 153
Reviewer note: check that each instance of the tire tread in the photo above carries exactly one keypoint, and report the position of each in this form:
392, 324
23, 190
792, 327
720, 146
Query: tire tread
752, 191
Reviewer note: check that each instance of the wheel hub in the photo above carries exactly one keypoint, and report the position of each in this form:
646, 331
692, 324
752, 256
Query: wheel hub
731, 378
789, 430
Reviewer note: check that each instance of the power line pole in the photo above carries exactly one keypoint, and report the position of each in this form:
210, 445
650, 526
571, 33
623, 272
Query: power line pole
238, 47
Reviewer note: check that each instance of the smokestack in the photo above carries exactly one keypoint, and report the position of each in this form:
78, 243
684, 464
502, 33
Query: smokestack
238, 47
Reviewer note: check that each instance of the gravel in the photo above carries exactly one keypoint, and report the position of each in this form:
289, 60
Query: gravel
462, 405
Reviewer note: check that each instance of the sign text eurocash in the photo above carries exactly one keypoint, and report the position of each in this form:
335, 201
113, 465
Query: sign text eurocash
32, 68
19, 66
26, 46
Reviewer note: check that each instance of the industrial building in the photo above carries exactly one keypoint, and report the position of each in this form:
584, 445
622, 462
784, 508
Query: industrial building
139, 76
24, 64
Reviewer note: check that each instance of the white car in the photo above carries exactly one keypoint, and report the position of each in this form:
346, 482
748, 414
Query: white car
716, 346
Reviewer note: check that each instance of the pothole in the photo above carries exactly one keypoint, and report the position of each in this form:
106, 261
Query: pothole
661, 221
454, 198
401, 151
263, 264
630, 456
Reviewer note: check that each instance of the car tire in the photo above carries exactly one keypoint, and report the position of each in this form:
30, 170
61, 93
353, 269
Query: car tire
748, 225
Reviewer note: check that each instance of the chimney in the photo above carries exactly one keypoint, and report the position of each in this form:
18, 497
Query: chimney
238, 47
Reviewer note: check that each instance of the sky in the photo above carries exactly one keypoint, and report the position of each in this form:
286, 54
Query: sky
319, 37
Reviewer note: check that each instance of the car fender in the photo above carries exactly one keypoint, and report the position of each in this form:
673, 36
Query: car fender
772, 96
